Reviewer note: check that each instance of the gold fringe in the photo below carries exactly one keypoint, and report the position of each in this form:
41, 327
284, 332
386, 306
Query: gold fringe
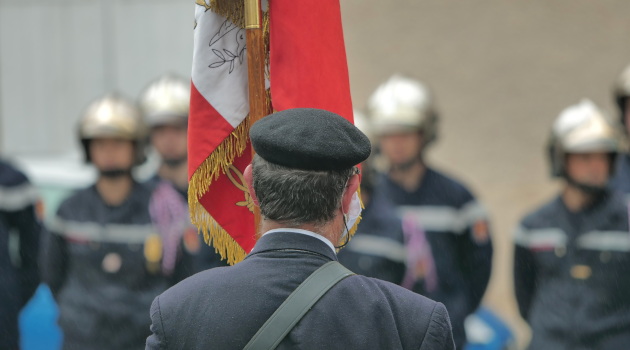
234, 10
218, 161
215, 235
211, 168
265, 19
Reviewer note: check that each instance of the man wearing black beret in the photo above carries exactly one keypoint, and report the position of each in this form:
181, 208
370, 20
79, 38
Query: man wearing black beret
290, 292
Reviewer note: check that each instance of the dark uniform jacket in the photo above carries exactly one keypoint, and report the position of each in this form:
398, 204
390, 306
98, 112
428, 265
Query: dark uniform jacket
19, 275
621, 179
102, 264
457, 229
571, 276
378, 246
222, 308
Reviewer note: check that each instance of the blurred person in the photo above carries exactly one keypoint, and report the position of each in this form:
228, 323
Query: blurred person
621, 179
378, 246
106, 257
384, 246
572, 254
306, 191
456, 226
165, 105
19, 271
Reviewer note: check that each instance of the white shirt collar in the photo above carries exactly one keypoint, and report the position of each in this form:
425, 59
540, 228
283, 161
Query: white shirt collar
304, 232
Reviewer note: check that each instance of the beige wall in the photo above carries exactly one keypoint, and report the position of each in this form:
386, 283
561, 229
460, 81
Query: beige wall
502, 71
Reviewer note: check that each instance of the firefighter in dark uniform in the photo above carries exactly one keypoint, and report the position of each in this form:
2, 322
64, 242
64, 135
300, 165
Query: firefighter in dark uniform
621, 179
378, 246
19, 273
306, 188
572, 255
105, 259
456, 226
165, 104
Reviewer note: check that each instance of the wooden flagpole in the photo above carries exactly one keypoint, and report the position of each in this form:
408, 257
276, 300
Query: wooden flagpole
258, 105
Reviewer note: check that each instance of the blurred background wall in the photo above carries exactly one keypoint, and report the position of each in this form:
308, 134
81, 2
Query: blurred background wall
501, 71
56, 56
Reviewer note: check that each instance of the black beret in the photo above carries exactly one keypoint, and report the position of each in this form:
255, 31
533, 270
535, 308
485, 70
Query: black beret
309, 139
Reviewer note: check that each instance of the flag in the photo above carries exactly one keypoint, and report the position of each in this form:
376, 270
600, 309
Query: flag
307, 68
308, 57
217, 130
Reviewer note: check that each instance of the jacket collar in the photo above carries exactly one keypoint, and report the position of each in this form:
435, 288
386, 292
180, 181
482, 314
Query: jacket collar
291, 240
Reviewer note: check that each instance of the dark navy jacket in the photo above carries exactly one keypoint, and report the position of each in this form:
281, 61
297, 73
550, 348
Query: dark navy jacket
102, 264
457, 230
222, 308
19, 274
378, 247
621, 180
571, 276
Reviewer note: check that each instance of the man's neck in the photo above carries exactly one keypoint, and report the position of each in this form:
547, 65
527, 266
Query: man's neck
114, 191
575, 199
177, 175
327, 230
410, 177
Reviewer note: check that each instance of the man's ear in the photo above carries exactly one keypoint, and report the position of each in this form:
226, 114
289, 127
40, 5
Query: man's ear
351, 189
249, 181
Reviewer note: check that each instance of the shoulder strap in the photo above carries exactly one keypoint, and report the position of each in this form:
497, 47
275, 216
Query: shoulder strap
297, 305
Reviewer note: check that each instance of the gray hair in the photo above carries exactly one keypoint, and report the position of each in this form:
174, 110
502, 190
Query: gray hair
296, 197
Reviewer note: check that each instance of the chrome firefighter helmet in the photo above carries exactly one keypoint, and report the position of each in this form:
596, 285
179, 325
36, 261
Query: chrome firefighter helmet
112, 116
582, 128
166, 101
622, 92
403, 104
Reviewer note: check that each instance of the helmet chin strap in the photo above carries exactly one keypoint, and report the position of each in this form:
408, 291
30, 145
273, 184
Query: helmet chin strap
590, 190
174, 162
115, 173
402, 167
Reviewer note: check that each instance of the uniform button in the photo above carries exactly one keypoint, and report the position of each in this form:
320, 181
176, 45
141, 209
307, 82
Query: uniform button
605, 257
112, 263
581, 272
560, 251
